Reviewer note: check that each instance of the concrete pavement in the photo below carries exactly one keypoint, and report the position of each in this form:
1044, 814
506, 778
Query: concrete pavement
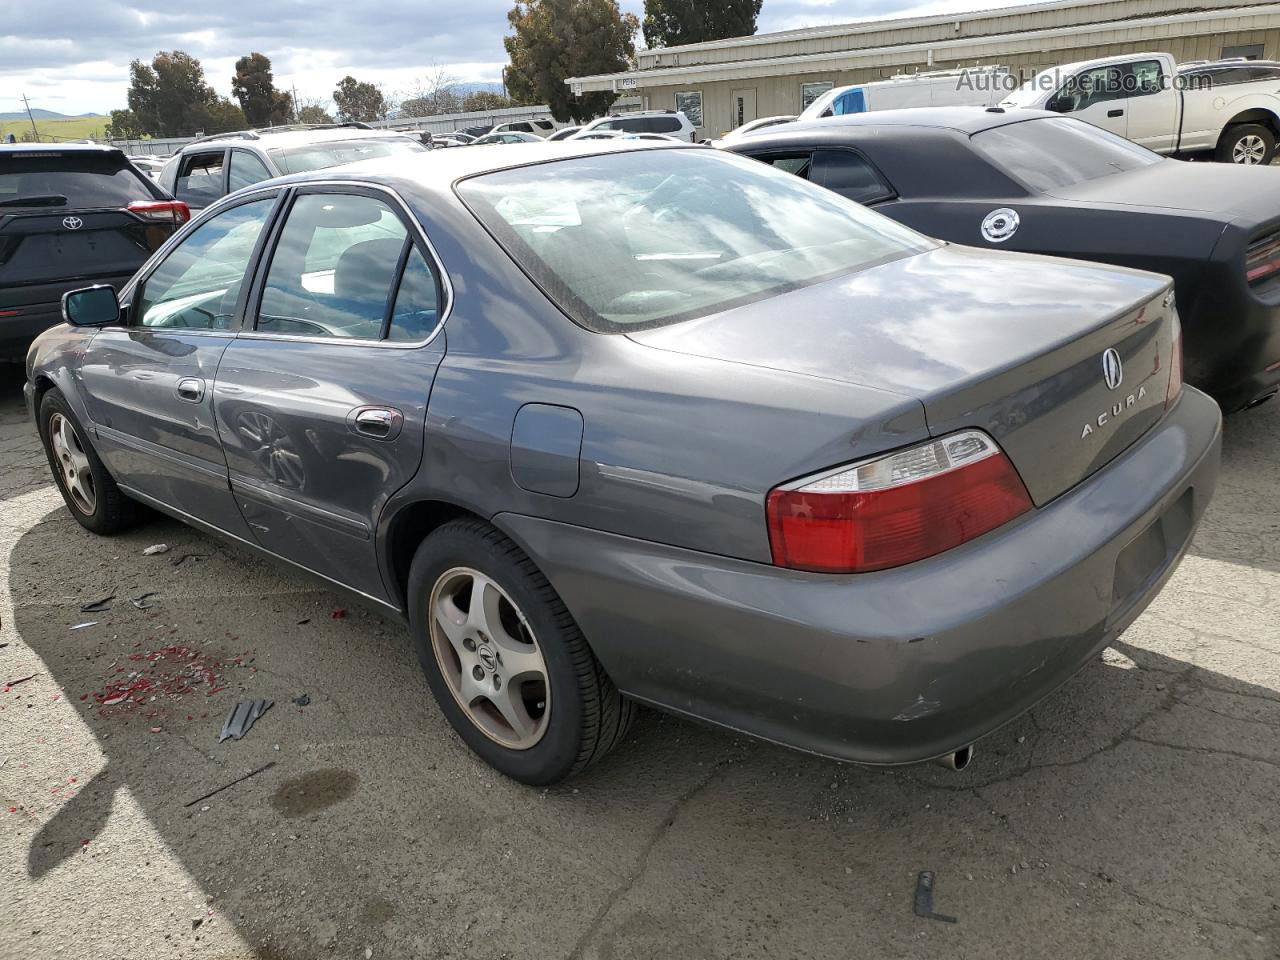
1133, 814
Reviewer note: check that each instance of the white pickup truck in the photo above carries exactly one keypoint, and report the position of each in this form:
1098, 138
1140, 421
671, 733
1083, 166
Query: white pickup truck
1228, 107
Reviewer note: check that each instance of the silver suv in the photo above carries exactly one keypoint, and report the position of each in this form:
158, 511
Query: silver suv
213, 166
671, 122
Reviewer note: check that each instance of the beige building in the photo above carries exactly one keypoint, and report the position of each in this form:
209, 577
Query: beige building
723, 83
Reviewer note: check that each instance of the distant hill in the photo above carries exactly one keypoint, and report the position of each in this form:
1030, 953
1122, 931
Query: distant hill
40, 114
466, 88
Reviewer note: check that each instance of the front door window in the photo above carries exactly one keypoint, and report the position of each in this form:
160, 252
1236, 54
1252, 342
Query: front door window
197, 285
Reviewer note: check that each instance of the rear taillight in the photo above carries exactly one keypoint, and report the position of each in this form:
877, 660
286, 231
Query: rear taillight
1175, 363
1262, 259
165, 211
896, 509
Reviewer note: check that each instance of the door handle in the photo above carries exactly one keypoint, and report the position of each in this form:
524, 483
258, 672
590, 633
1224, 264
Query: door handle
191, 389
1115, 113
380, 423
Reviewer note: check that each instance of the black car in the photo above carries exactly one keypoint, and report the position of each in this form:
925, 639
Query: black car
71, 215
1043, 183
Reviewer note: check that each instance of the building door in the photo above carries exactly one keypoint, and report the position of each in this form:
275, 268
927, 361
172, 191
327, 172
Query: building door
743, 106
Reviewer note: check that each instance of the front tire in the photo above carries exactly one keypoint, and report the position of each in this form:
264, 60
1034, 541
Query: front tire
87, 488
1247, 144
506, 662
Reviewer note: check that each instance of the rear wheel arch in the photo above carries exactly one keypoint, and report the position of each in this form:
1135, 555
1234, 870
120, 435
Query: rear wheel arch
1259, 115
411, 524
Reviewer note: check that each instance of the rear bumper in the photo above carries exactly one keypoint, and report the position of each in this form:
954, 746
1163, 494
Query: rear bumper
16, 333
902, 665
1230, 339
38, 307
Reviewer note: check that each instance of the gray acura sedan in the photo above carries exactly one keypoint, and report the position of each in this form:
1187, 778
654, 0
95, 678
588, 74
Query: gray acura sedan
622, 423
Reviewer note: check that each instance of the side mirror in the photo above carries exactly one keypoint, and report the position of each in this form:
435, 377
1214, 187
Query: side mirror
1062, 103
91, 306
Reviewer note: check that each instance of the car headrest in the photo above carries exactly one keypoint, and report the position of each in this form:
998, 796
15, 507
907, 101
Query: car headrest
366, 271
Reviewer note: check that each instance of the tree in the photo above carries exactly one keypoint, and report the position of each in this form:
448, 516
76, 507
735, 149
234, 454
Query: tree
124, 126
169, 97
254, 86
484, 100
313, 113
432, 94
359, 101
556, 39
669, 23
222, 115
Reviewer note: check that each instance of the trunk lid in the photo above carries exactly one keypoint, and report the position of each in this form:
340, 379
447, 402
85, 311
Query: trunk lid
1009, 343
1247, 193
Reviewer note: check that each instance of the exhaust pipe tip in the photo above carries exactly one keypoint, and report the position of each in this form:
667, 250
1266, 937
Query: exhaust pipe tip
958, 759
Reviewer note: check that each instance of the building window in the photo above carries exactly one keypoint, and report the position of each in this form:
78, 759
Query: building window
1250, 51
690, 104
810, 92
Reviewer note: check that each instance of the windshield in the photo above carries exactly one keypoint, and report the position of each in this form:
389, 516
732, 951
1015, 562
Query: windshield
1059, 152
628, 241
318, 156
1046, 81
69, 179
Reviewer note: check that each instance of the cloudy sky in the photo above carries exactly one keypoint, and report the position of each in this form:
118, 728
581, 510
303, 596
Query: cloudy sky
72, 56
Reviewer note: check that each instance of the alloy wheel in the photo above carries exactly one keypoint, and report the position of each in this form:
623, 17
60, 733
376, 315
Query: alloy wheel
489, 657
73, 463
1249, 150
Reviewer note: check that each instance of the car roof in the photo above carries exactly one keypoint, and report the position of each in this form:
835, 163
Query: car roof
434, 168
966, 120
59, 148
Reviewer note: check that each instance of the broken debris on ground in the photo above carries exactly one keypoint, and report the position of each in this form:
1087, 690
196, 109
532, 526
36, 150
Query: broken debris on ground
242, 718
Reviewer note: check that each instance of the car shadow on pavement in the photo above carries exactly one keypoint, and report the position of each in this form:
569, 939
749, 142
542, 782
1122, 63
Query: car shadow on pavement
1131, 814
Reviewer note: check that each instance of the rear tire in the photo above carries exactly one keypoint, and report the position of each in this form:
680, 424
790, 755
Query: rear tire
567, 716
1247, 144
91, 495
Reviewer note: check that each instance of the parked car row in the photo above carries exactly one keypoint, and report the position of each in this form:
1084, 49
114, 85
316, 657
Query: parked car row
648, 123
707, 431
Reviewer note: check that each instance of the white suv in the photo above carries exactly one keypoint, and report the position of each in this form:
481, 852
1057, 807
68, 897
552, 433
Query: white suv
542, 128
671, 122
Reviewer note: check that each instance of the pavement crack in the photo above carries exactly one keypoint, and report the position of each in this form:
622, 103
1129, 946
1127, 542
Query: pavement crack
642, 862
1208, 751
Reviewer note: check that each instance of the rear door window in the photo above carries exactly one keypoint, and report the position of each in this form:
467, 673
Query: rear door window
849, 174
664, 124
54, 180
200, 180
334, 268
797, 163
246, 170
417, 307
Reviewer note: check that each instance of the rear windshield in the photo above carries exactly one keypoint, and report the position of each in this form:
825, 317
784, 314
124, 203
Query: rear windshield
52, 180
318, 156
1059, 152
626, 241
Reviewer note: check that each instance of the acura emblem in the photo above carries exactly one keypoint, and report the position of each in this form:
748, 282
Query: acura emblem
72, 223
1112, 370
